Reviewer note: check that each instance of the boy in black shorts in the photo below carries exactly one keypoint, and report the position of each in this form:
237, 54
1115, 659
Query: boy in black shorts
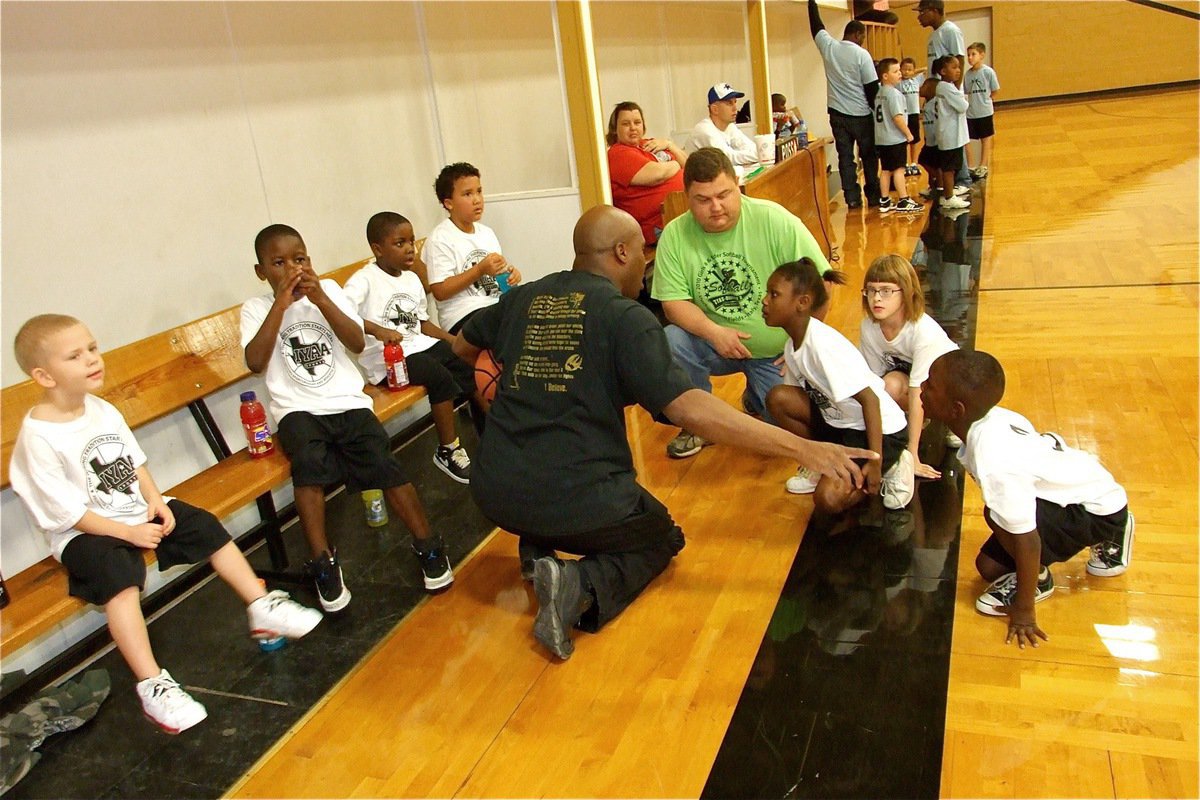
891, 140
299, 336
1044, 501
391, 300
84, 481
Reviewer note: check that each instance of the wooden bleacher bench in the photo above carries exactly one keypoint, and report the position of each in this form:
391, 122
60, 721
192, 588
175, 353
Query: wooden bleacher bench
147, 380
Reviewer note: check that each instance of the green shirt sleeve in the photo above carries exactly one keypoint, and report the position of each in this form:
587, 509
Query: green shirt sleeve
670, 278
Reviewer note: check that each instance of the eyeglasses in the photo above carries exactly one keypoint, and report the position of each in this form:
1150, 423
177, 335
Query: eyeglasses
883, 293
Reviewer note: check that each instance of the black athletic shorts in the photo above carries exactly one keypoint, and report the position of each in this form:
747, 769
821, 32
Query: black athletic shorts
820, 430
1064, 530
351, 447
444, 375
928, 157
981, 128
101, 567
950, 160
892, 156
914, 127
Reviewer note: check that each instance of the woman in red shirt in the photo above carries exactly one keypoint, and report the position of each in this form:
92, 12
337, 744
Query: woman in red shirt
643, 171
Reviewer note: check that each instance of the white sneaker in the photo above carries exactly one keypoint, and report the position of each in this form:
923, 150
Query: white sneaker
962, 191
167, 705
276, 614
803, 482
899, 482
953, 202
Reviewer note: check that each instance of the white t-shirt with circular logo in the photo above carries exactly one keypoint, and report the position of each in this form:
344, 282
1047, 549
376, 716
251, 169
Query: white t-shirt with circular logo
310, 370
449, 252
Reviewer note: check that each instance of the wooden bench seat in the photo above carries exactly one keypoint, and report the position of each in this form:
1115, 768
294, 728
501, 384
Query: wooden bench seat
147, 380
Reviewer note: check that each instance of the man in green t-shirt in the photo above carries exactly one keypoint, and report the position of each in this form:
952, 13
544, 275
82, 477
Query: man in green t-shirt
711, 274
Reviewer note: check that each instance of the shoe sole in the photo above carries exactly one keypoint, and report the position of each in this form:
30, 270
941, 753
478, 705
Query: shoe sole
440, 582
174, 731
1112, 572
336, 604
446, 470
994, 611
547, 627
686, 453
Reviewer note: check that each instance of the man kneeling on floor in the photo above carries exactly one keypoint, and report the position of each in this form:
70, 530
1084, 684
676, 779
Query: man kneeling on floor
554, 466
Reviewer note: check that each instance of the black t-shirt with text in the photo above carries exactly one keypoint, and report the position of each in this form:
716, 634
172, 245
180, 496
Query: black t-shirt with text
554, 457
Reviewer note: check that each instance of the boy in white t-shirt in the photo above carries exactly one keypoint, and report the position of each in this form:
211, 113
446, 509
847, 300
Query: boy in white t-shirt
891, 140
299, 336
1043, 500
829, 394
467, 271
391, 300
84, 481
910, 87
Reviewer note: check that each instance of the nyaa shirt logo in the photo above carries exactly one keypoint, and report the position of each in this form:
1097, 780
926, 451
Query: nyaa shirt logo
111, 479
400, 313
730, 287
486, 284
308, 352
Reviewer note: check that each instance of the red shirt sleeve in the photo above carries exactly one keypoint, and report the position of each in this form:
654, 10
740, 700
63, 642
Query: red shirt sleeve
624, 161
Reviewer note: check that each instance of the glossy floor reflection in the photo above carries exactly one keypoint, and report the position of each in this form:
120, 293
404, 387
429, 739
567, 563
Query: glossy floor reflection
847, 696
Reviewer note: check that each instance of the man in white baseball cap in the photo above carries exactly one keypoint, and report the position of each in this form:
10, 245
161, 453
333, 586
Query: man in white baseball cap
719, 130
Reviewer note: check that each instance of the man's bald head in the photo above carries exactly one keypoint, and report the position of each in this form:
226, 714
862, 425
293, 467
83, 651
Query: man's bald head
600, 229
609, 242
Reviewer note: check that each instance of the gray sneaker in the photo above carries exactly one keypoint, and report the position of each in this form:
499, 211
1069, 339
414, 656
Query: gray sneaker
559, 588
686, 444
529, 554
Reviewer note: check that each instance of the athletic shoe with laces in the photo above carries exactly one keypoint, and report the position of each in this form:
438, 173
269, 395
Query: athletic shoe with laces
886, 205
167, 705
803, 482
561, 602
899, 482
953, 202
978, 173
1003, 592
909, 206
454, 461
435, 565
686, 444
276, 615
1110, 559
961, 191
326, 573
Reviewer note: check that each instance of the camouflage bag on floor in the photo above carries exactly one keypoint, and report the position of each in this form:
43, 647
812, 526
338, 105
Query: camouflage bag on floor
56, 709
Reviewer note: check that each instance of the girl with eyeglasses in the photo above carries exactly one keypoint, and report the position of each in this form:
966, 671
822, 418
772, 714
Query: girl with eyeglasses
900, 341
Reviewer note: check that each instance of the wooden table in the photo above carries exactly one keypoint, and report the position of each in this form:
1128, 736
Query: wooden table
799, 184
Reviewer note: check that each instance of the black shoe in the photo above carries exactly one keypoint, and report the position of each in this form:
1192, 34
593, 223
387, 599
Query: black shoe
1112, 558
453, 461
561, 602
854, 204
435, 565
326, 573
528, 554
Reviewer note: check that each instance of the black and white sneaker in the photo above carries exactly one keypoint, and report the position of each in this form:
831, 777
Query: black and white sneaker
886, 205
435, 565
1003, 592
909, 206
454, 461
1109, 559
326, 573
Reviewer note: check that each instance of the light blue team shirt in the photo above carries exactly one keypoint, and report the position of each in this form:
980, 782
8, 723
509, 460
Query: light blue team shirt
911, 89
946, 41
848, 69
980, 83
888, 103
951, 123
929, 115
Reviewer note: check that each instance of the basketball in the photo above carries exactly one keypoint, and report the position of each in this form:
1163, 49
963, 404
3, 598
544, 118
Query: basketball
487, 376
